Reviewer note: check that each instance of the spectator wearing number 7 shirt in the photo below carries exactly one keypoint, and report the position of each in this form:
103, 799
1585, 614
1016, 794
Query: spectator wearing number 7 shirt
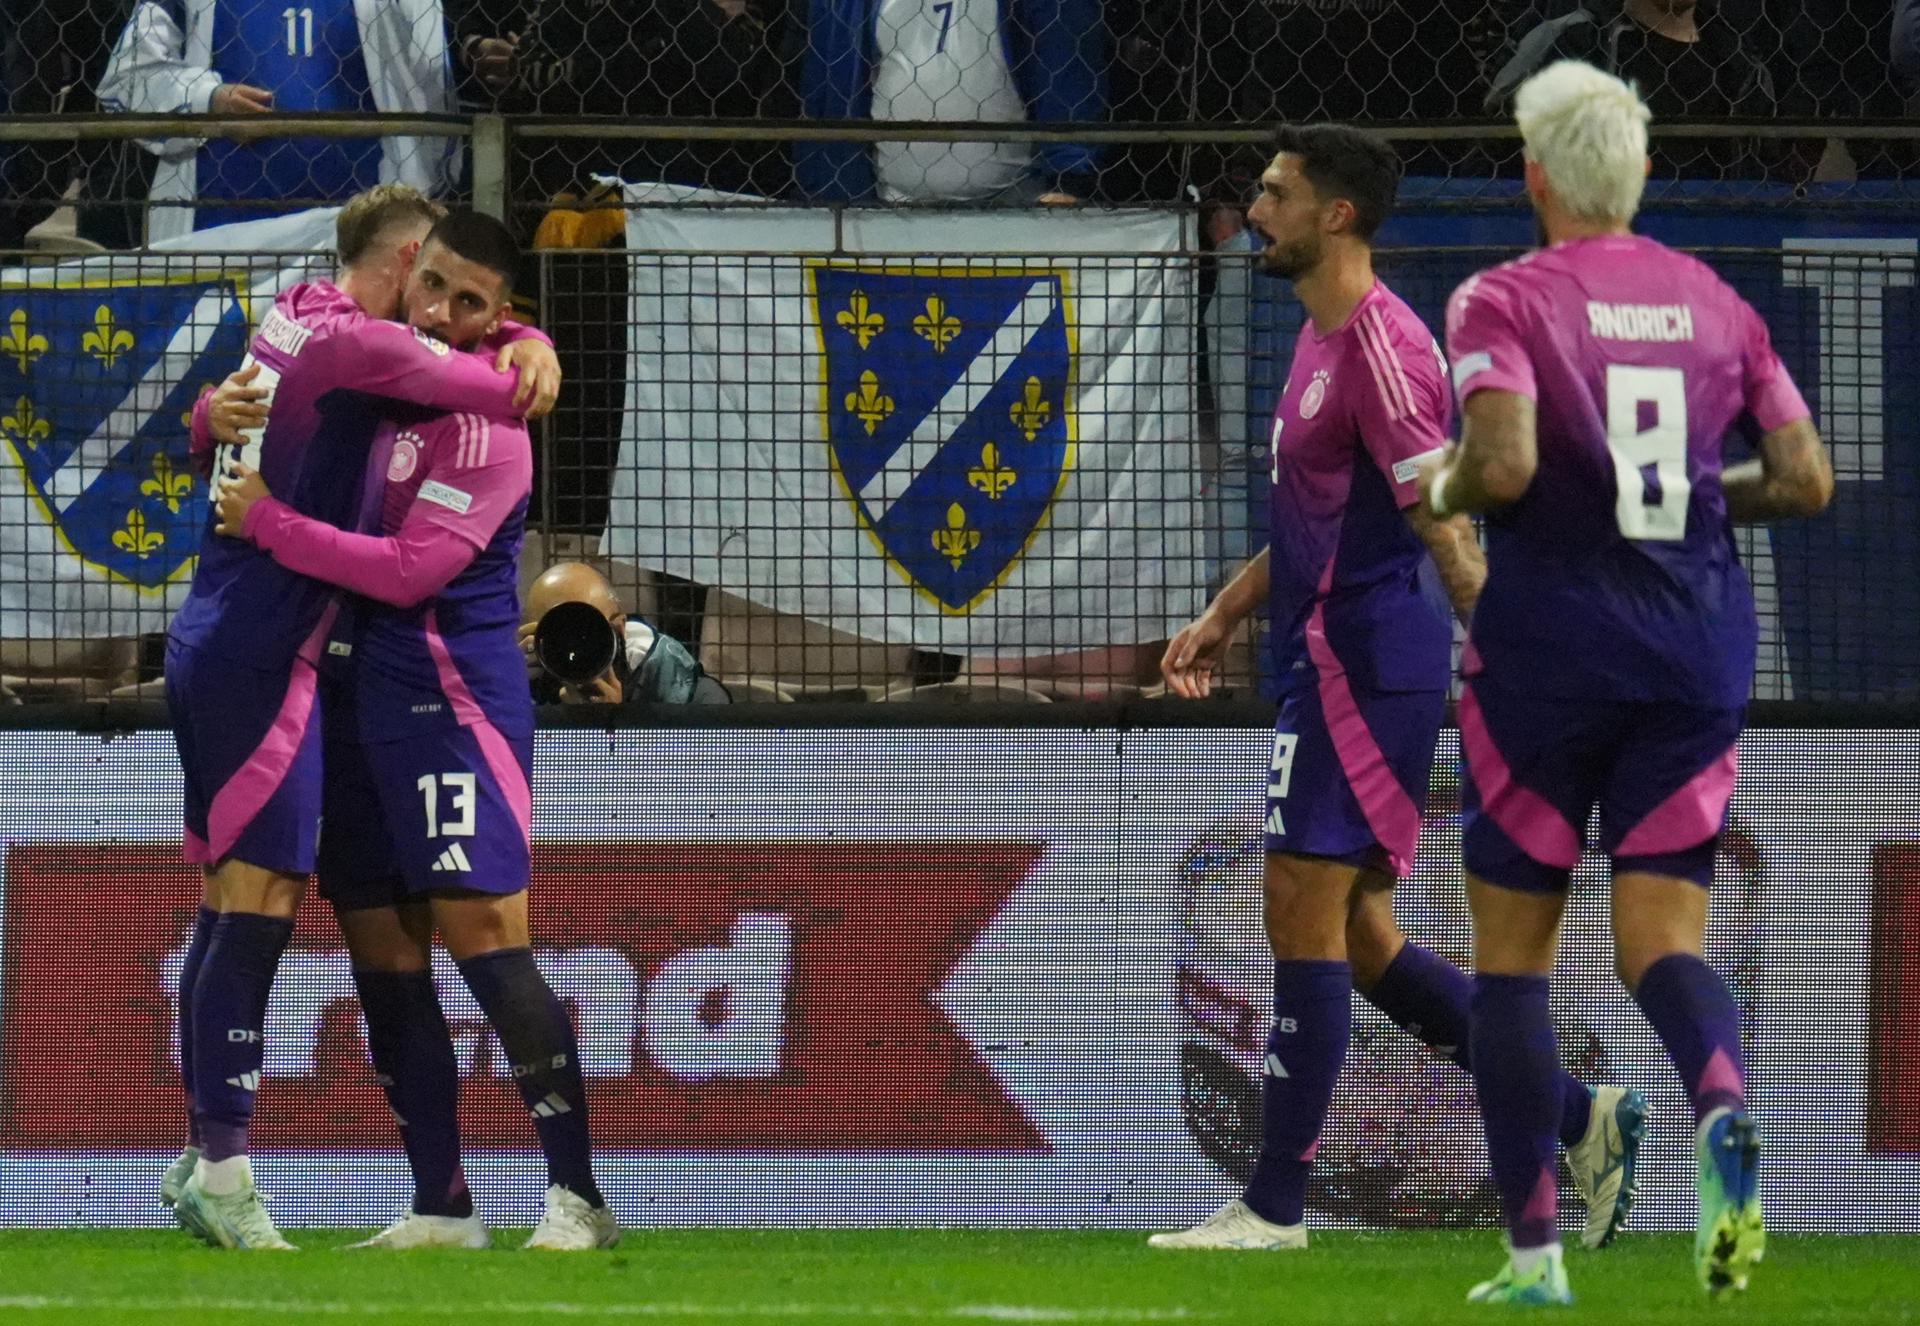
965, 60
255, 57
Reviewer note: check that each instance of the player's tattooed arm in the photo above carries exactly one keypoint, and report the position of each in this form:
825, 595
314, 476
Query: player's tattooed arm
1792, 477
1456, 555
1493, 463
1193, 654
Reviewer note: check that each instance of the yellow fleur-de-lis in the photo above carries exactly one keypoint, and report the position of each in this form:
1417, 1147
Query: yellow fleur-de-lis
956, 540
991, 478
860, 320
20, 344
108, 340
167, 483
868, 405
136, 538
935, 327
1031, 411
25, 426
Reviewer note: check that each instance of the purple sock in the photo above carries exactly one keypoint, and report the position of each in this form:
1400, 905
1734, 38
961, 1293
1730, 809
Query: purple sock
1693, 1011
189, 973
1514, 1072
1312, 1018
413, 1061
537, 1035
1428, 997
229, 1015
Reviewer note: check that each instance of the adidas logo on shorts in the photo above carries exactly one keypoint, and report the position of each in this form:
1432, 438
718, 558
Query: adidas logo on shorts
454, 858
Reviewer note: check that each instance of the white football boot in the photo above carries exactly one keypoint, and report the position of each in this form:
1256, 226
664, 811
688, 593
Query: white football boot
569, 1224
229, 1220
414, 1230
1235, 1226
1605, 1164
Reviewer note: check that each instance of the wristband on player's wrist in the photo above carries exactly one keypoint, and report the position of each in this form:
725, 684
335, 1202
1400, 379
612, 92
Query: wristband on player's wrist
1437, 494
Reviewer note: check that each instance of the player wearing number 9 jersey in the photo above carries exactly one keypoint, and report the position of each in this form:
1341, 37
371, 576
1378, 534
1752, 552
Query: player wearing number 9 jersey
1612, 649
1363, 647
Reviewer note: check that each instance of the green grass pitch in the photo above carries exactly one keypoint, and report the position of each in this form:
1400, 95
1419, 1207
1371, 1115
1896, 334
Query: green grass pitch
912, 1276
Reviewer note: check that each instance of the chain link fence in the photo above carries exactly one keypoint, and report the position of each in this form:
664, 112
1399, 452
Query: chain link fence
133, 123
1132, 100
836, 473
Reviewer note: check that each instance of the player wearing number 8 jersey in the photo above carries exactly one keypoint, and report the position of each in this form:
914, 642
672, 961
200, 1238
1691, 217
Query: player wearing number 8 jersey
1612, 650
1362, 647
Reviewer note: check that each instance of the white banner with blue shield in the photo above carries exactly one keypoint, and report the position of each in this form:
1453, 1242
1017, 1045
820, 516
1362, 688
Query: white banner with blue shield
964, 431
100, 362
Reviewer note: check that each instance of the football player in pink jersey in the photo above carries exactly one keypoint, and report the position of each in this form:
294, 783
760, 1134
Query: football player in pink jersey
243, 660
428, 745
1353, 577
1612, 651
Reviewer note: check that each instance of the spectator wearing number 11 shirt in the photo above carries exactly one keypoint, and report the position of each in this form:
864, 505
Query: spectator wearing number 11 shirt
254, 57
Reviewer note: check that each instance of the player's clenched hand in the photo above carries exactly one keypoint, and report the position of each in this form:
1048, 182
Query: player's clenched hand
539, 375
238, 492
237, 405
1192, 656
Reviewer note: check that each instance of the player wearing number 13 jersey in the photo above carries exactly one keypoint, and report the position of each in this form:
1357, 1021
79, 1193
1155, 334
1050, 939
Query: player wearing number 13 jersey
1612, 648
428, 745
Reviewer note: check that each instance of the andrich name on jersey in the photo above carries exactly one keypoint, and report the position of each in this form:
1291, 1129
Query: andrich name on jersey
1640, 322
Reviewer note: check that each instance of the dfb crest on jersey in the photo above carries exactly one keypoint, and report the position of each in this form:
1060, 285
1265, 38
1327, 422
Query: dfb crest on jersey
97, 384
948, 409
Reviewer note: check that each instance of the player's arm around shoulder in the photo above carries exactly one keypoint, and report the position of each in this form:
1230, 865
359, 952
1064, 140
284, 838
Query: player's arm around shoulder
396, 362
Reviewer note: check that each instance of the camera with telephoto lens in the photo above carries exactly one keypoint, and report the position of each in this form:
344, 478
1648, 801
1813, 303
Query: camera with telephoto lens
575, 643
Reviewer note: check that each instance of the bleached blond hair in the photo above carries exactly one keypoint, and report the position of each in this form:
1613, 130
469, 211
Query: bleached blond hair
1588, 130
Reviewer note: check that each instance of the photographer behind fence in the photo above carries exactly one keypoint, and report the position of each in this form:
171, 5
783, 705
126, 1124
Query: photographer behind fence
582, 648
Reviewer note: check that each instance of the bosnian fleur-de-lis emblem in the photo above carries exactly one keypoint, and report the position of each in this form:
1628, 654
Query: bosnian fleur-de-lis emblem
859, 319
20, 344
1031, 411
991, 478
108, 340
24, 425
956, 540
935, 327
868, 405
136, 538
167, 483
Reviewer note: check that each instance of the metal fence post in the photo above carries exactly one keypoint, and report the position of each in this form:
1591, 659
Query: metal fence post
490, 165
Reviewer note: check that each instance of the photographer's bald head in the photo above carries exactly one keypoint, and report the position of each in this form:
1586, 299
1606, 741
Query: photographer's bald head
573, 583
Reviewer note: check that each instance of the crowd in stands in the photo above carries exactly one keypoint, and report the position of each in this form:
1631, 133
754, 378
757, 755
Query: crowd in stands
993, 61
